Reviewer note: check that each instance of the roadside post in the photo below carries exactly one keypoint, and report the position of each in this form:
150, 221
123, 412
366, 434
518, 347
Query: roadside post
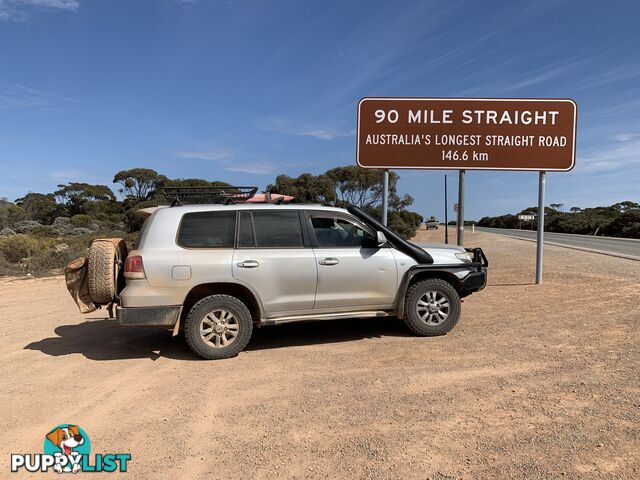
540, 236
385, 196
446, 207
460, 220
519, 134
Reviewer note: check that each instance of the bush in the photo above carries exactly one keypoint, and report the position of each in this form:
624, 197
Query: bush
44, 231
626, 225
17, 247
26, 226
6, 268
45, 262
81, 220
6, 232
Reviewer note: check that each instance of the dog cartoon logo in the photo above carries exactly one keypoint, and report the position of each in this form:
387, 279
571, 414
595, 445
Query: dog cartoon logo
70, 441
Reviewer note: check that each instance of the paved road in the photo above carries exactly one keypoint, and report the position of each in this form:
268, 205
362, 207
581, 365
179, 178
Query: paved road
604, 244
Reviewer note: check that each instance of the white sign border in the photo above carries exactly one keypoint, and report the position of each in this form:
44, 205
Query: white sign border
445, 99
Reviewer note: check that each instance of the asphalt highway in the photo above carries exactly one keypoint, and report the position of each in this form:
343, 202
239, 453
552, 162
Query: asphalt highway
620, 246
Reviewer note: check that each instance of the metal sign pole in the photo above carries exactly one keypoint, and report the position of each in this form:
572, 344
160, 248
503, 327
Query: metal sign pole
446, 207
540, 244
385, 196
460, 221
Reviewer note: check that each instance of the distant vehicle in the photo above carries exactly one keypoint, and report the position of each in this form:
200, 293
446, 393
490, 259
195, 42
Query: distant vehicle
432, 223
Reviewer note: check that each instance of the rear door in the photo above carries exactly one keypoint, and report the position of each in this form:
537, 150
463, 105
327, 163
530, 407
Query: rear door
273, 256
352, 270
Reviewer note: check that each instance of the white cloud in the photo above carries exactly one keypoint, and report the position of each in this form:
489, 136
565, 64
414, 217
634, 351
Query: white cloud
624, 137
614, 157
21, 96
284, 125
259, 168
203, 154
17, 10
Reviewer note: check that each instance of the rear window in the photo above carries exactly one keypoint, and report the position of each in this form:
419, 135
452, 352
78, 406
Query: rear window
207, 230
277, 229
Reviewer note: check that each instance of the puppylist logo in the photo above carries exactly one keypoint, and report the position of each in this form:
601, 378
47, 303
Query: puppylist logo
67, 449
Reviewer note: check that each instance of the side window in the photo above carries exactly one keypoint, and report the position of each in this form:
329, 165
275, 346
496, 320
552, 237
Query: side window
246, 237
338, 232
277, 229
208, 229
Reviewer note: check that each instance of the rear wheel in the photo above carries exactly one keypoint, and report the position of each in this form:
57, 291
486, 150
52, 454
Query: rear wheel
218, 326
432, 307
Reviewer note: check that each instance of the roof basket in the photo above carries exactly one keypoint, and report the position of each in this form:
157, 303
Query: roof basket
224, 195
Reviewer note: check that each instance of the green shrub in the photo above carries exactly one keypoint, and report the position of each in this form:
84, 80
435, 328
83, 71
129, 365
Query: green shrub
81, 220
20, 246
44, 262
44, 231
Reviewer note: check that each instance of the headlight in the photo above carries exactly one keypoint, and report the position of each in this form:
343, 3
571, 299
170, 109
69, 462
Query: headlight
466, 257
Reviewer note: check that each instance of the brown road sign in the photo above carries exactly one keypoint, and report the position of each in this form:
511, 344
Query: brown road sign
467, 133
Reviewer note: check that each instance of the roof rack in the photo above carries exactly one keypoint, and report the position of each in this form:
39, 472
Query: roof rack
219, 194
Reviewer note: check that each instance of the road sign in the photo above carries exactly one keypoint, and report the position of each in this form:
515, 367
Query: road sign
456, 207
466, 134
526, 218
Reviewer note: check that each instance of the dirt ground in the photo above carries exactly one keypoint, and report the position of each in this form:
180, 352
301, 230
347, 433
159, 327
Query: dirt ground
536, 381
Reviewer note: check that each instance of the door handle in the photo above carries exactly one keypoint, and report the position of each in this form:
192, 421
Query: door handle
248, 264
329, 261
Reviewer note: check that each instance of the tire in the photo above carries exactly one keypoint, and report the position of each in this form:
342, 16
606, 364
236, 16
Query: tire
102, 272
206, 327
423, 298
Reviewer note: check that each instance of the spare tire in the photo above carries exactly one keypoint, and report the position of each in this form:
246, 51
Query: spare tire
103, 270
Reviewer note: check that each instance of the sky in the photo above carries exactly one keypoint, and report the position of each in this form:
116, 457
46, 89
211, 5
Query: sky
241, 91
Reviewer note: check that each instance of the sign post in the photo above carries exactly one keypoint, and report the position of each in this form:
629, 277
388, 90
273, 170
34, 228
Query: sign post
540, 242
385, 196
446, 216
460, 220
469, 134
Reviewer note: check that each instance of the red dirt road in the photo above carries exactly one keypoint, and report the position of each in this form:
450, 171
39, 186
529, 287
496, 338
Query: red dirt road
534, 382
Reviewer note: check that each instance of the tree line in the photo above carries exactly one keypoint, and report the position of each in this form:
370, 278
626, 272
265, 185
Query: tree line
618, 220
89, 206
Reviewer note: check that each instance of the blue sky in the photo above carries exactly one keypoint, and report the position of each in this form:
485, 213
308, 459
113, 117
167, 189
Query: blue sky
241, 91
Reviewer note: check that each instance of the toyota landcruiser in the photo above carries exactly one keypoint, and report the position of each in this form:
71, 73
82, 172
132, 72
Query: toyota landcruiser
215, 272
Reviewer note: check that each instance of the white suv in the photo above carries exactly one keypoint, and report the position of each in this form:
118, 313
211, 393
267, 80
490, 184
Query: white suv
215, 271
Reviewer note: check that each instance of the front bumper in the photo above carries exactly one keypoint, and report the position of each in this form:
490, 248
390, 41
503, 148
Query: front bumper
148, 316
474, 282
477, 280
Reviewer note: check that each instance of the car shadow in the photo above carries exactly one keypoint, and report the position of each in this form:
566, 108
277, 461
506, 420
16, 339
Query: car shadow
103, 339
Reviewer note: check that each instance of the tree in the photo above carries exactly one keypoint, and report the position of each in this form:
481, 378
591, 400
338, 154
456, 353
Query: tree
139, 184
626, 206
85, 198
626, 225
360, 186
555, 206
575, 209
41, 207
10, 214
307, 188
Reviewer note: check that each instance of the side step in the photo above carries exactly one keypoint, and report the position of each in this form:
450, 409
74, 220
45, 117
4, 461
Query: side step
324, 316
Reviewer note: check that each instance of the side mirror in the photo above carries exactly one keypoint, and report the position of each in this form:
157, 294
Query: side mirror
381, 239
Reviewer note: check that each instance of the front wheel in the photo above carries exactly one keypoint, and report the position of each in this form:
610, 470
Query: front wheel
432, 307
218, 326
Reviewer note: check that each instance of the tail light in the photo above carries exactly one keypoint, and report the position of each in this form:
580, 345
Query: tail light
134, 268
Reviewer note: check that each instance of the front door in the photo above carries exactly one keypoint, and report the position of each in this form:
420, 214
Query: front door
272, 259
353, 272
